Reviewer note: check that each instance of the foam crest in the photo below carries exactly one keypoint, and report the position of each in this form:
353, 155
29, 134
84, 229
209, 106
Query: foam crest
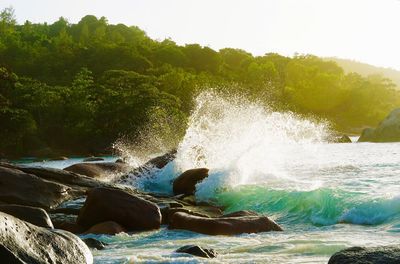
244, 140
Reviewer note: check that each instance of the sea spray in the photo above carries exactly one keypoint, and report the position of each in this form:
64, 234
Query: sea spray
242, 142
279, 164
159, 135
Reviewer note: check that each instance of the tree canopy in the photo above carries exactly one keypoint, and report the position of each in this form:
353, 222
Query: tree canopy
79, 87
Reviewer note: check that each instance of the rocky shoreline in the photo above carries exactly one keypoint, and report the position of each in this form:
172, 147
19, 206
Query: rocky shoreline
42, 210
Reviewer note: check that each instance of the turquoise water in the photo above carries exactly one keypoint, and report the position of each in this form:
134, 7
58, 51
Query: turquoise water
59, 164
347, 195
325, 196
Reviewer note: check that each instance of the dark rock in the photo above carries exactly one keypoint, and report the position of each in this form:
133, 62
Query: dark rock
58, 158
186, 182
18, 187
68, 211
94, 243
169, 212
223, 225
241, 213
33, 215
70, 227
343, 139
120, 161
361, 255
76, 181
198, 251
131, 211
98, 170
387, 131
6, 256
22, 243
8, 165
338, 138
189, 199
157, 162
93, 159
106, 228
59, 219
199, 210
161, 161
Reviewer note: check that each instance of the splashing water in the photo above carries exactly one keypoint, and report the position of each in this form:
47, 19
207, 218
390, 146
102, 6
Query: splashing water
244, 141
277, 163
326, 196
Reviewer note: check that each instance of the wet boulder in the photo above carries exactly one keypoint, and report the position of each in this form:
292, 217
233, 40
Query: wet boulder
21, 242
33, 215
94, 243
160, 162
18, 187
90, 159
362, 255
387, 131
197, 251
106, 228
98, 170
66, 222
169, 212
79, 183
241, 213
186, 182
223, 225
129, 210
58, 158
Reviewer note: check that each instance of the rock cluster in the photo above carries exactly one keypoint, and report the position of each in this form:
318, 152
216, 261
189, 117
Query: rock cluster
35, 200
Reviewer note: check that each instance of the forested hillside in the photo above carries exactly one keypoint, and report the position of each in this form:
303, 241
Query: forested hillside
76, 88
365, 69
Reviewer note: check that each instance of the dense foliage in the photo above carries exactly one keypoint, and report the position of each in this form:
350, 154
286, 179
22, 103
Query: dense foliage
77, 88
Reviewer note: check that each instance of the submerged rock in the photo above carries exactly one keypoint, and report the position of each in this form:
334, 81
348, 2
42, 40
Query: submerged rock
93, 159
131, 211
387, 131
33, 215
94, 243
186, 182
98, 170
362, 255
198, 251
21, 242
66, 222
18, 187
58, 158
341, 139
106, 228
158, 162
223, 225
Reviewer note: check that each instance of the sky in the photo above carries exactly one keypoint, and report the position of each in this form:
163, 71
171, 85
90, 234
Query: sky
362, 30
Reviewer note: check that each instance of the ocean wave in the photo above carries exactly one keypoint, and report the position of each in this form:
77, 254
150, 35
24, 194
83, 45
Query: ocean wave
322, 206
